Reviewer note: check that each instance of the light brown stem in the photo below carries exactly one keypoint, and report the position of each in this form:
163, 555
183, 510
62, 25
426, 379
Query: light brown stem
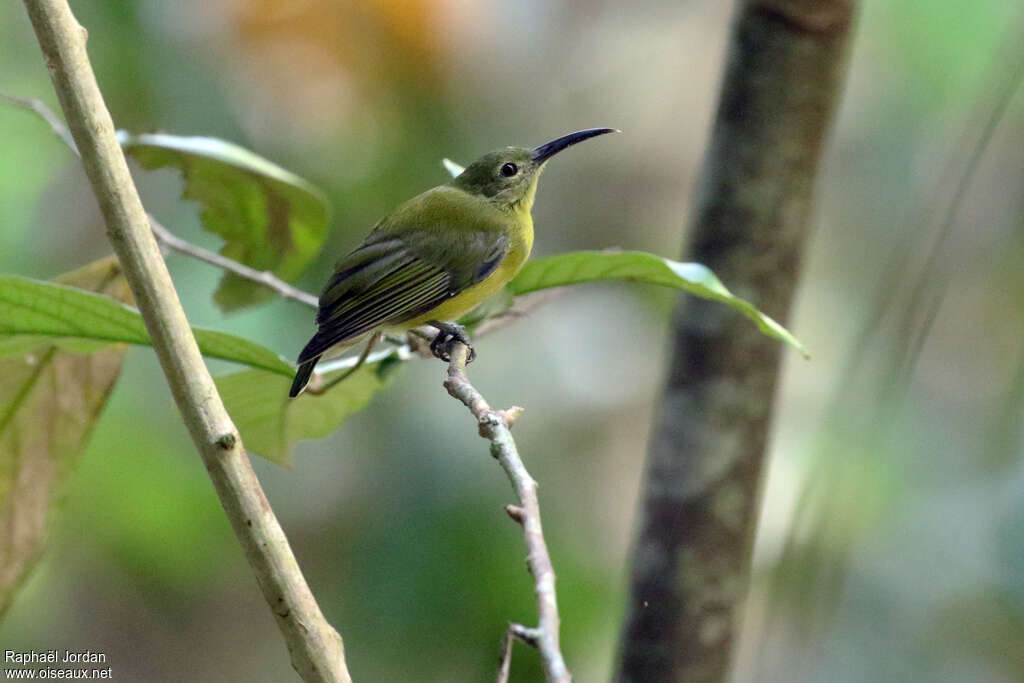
316, 648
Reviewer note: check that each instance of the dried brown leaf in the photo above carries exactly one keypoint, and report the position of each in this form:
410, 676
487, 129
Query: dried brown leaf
50, 399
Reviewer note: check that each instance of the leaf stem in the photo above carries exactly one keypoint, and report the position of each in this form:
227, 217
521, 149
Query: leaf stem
260, 277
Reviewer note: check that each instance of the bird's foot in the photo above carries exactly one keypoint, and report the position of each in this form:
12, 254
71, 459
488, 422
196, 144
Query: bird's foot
448, 335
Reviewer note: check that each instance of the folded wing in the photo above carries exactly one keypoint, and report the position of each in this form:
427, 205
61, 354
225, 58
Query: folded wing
388, 281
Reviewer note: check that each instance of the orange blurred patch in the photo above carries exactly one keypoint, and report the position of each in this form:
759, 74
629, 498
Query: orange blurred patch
356, 37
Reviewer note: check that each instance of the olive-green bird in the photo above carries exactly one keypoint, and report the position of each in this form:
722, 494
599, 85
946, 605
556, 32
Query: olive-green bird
436, 256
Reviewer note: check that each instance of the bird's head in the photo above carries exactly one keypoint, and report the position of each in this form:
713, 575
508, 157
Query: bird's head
509, 176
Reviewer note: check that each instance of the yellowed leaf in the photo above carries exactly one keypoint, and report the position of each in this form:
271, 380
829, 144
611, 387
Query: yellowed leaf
50, 398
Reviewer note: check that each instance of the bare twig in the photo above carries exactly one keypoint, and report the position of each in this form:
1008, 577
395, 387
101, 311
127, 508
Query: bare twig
260, 277
165, 237
494, 426
315, 647
505, 658
39, 107
515, 632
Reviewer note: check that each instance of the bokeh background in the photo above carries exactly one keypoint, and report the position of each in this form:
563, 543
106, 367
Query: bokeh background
892, 540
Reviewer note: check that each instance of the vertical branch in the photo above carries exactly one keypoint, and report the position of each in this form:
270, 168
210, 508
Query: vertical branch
495, 426
691, 559
316, 648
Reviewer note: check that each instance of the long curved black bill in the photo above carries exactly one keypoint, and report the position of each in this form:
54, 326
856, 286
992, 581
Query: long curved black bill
550, 149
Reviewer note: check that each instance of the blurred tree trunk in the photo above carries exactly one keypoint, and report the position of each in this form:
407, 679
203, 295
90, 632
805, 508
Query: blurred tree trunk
700, 499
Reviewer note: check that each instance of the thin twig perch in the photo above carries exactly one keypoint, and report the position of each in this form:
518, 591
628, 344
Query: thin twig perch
315, 647
495, 426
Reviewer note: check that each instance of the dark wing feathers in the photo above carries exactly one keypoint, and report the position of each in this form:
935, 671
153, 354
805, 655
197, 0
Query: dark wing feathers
388, 282
394, 304
361, 269
492, 261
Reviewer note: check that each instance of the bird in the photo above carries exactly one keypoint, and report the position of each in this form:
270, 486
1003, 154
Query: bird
436, 256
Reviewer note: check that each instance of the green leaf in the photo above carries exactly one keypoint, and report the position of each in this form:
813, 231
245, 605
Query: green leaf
70, 316
271, 423
50, 399
592, 266
269, 218
22, 344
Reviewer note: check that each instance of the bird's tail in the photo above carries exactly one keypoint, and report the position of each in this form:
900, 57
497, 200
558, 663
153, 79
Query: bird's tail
302, 376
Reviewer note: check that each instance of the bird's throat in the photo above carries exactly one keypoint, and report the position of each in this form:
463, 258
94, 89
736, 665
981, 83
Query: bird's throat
524, 205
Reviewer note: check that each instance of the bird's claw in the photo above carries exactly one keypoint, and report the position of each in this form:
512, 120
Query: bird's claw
449, 334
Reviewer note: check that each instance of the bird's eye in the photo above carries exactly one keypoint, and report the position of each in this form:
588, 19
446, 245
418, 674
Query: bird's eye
509, 169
